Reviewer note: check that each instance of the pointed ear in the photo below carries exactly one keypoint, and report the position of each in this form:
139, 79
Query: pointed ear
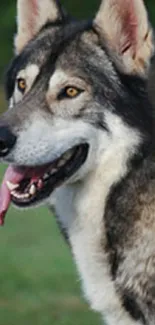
124, 24
31, 16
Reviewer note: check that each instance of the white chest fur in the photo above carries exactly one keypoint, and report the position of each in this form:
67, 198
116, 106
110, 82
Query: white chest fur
81, 207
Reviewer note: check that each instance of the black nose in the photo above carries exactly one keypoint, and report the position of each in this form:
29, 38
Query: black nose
7, 141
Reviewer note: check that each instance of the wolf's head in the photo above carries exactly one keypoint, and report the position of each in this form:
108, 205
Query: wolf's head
76, 93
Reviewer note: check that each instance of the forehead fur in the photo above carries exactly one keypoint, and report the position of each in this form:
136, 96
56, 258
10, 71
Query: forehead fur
72, 47
46, 47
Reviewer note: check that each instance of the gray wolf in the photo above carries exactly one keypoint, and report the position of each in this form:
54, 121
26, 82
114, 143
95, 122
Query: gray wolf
79, 135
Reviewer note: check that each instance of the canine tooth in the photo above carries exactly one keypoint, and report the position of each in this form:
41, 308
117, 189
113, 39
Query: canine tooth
12, 186
33, 189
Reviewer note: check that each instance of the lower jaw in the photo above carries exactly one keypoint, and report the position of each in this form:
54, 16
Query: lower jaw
40, 199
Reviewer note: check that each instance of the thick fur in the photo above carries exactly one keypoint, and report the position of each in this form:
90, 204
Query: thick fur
128, 33
32, 15
107, 209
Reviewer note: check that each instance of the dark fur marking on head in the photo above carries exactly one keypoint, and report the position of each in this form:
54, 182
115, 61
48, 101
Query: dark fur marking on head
64, 34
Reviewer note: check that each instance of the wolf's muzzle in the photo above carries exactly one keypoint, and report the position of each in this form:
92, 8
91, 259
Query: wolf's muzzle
7, 141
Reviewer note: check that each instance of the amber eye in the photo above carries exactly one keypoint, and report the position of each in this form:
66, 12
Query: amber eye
69, 92
21, 83
72, 92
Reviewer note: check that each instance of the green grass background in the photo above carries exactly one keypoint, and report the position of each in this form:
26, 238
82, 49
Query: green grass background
38, 281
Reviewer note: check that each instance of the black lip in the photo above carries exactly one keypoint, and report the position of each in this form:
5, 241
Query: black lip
58, 179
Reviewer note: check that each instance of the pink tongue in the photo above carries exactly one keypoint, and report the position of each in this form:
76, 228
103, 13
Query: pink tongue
14, 176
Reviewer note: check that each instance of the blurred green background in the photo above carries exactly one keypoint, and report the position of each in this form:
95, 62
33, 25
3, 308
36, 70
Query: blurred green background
38, 281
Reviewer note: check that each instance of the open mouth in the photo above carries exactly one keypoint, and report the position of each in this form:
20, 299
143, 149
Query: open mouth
25, 186
39, 183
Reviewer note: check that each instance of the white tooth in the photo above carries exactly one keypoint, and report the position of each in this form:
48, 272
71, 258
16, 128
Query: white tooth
45, 176
26, 196
53, 171
20, 196
12, 186
61, 163
33, 189
68, 155
15, 194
